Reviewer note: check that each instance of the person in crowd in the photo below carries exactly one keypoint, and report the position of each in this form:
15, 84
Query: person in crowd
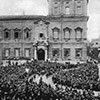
14, 84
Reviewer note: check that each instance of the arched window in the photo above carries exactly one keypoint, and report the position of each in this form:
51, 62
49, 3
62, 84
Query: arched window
27, 33
6, 33
78, 33
67, 33
17, 33
56, 33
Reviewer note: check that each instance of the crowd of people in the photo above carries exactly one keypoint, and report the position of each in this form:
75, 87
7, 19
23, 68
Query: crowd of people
86, 76
14, 84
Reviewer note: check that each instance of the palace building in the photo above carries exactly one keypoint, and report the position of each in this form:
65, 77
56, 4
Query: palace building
62, 34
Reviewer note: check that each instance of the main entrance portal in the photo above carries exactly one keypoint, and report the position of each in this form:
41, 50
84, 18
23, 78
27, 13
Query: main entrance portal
41, 54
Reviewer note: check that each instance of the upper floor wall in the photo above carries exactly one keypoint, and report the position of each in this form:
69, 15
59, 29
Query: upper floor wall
41, 30
68, 7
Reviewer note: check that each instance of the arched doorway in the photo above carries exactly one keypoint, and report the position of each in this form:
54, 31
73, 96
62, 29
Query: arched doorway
41, 54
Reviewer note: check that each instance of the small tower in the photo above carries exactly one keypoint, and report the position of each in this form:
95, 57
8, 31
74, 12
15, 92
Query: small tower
54, 7
68, 7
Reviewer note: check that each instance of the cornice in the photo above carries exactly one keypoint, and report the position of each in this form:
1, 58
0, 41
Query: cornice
21, 17
43, 18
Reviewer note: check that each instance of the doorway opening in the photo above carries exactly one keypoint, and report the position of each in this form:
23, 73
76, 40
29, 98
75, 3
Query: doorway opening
41, 54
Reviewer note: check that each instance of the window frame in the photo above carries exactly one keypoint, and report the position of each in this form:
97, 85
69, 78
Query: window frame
25, 52
67, 6
55, 49
68, 30
6, 30
67, 10
76, 34
79, 7
16, 30
27, 31
56, 10
69, 53
56, 30
5, 52
18, 52
80, 50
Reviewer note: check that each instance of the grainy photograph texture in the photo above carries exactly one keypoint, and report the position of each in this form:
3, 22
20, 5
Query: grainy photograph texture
49, 50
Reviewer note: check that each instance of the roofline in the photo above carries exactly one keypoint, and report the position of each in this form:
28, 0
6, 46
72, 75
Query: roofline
21, 17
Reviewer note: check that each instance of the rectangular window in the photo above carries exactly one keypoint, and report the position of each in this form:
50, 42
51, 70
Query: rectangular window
67, 10
55, 52
27, 33
17, 52
78, 53
79, 7
66, 53
7, 52
27, 52
56, 9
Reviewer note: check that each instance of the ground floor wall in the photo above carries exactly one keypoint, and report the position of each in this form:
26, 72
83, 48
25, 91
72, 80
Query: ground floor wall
58, 51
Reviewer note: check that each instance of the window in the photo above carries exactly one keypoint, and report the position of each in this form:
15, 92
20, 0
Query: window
6, 34
55, 52
67, 33
67, 7
56, 8
96, 43
67, 10
7, 52
78, 33
27, 33
78, 53
27, 52
17, 52
41, 35
79, 7
16, 33
66, 53
56, 33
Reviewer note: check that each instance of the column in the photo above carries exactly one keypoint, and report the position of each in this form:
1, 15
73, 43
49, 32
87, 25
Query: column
72, 53
35, 53
46, 54
1, 52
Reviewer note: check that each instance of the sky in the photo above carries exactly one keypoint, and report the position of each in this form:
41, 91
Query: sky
40, 7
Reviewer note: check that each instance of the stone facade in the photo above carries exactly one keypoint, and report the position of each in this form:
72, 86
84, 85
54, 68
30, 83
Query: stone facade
61, 35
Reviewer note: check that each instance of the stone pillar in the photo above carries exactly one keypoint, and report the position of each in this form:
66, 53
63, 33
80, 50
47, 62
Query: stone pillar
1, 52
72, 54
35, 53
46, 54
